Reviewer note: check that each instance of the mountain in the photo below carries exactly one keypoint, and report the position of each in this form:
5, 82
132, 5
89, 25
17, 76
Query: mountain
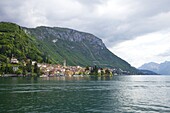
152, 66
78, 48
56, 45
148, 72
162, 68
14, 41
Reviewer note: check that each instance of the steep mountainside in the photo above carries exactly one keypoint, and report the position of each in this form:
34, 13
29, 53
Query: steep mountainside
78, 48
162, 68
14, 41
46, 44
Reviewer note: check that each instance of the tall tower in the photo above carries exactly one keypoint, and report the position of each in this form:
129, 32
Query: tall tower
64, 63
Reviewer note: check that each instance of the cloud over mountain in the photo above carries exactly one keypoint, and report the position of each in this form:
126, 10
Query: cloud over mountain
115, 21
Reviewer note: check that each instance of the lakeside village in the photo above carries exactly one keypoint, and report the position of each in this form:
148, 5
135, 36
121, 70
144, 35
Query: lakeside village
14, 68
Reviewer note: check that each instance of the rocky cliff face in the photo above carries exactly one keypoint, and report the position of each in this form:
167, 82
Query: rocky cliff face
56, 33
78, 48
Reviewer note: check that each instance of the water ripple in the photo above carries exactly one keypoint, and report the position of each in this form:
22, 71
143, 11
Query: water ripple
119, 94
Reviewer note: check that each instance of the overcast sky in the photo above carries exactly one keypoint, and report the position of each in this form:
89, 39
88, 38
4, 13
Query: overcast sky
136, 30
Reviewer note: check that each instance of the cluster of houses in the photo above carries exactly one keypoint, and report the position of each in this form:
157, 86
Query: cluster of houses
59, 70
54, 69
63, 70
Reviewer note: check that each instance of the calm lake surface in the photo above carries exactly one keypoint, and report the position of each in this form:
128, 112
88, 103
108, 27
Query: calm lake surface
150, 94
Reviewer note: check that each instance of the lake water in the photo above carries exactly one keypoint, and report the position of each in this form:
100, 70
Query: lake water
150, 94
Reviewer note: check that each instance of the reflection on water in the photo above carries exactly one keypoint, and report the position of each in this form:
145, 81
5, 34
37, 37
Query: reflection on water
66, 94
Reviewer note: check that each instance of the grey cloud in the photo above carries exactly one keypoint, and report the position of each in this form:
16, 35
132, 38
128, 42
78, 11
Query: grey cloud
91, 2
165, 54
138, 17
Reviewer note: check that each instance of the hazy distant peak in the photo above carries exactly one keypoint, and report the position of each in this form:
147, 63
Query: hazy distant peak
162, 68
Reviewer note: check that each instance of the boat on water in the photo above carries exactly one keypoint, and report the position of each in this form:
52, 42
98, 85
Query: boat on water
44, 75
9, 75
77, 75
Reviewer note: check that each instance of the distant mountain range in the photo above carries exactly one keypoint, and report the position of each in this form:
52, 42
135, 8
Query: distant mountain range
54, 45
162, 68
148, 72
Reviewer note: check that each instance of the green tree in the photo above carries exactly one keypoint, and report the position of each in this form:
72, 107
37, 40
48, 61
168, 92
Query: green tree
6, 69
24, 70
19, 71
3, 67
29, 67
36, 69
87, 68
102, 72
94, 71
